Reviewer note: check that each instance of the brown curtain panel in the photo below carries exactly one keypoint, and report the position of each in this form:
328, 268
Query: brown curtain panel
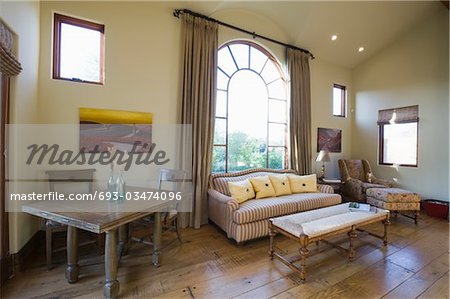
200, 41
300, 111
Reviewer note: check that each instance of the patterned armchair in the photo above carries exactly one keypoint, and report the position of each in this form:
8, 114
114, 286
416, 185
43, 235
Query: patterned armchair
357, 177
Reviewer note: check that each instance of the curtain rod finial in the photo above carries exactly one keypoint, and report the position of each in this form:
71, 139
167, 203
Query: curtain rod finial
177, 12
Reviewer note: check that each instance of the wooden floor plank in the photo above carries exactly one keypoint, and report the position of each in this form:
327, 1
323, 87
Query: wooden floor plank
380, 279
421, 252
337, 274
208, 265
440, 289
270, 289
325, 278
422, 280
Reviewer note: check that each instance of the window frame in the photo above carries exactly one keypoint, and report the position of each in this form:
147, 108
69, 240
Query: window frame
6, 261
343, 89
282, 77
58, 20
381, 146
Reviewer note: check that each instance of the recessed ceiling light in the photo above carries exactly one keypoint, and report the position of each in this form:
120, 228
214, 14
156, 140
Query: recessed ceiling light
361, 49
334, 37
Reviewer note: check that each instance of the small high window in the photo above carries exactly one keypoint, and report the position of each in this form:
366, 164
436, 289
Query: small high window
78, 47
339, 99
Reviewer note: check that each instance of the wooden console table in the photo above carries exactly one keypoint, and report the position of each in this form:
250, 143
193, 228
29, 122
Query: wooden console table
113, 224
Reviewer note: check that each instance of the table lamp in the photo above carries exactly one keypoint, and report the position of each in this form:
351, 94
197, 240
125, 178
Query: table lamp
323, 157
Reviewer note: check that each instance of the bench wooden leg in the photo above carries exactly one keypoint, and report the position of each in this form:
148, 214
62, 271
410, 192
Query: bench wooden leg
304, 254
271, 240
351, 250
386, 223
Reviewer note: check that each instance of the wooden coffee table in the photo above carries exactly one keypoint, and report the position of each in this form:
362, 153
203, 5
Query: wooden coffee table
316, 225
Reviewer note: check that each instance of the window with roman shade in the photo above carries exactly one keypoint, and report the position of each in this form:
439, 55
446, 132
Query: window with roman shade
398, 136
9, 65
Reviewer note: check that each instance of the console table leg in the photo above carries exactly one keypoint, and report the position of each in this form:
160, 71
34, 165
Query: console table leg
73, 268
112, 287
123, 239
351, 236
157, 232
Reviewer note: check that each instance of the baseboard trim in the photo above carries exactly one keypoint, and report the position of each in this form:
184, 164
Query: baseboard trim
19, 258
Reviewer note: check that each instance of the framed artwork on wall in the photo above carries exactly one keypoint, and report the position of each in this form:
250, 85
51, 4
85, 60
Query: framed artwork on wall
102, 129
329, 139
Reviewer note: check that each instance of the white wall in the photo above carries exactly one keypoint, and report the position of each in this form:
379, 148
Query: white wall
142, 62
323, 76
147, 77
23, 19
413, 70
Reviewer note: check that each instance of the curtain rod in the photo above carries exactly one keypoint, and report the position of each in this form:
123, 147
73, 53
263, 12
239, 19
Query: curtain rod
178, 12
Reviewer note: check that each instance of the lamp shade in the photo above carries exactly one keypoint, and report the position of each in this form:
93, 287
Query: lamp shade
323, 156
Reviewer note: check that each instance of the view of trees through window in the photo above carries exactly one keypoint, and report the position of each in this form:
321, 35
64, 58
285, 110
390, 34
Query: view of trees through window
251, 110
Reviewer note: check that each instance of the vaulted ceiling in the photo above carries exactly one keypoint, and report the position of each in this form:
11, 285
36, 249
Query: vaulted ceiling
310, 25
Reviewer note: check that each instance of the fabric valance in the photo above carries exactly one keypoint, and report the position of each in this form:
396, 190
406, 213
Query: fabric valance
398, 115
9, 65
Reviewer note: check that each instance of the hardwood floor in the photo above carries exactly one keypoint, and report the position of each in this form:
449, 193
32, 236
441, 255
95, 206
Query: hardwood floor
415, 264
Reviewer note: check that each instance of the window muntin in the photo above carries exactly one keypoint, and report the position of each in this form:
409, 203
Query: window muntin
339, 100
399, 144
251, 109
78, 50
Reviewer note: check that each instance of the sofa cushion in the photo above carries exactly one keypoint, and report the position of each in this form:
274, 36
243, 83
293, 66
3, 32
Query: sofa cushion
303, 183
263, 186
280, 183
220, 183
259, 209
241, 191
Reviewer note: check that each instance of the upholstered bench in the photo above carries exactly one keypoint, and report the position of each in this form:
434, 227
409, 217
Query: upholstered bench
395, 199
316, 225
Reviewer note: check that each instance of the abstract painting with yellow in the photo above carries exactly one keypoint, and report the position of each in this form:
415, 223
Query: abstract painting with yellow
101, 129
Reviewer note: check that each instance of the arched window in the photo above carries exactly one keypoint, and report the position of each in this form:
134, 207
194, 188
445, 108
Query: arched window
251, 113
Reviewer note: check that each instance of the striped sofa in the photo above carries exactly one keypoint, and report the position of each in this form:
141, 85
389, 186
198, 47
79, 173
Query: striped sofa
250, 219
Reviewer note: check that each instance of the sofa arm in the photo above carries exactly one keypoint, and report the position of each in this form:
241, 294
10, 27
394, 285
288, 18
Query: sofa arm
221, 208
223, 199
386, 183
325, 188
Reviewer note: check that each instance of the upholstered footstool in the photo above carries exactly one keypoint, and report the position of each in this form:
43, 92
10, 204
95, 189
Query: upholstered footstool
395, 200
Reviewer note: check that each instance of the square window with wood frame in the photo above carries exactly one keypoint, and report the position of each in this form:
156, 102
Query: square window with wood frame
398, 136
78, 50
339, 100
